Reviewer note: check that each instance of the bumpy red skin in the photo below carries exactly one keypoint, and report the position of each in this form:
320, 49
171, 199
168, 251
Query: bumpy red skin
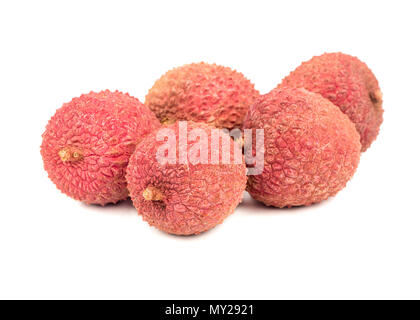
311, 148
349, 84
104, 128
202, 92
196, 197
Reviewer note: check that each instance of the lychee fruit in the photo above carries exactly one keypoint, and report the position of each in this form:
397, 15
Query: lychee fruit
88, 142
311, 148
193, 185
202, 92
349, 84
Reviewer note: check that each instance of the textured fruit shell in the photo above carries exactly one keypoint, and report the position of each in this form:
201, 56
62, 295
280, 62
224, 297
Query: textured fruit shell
311, 148
197, 197
202, 92
104, 128
348, 83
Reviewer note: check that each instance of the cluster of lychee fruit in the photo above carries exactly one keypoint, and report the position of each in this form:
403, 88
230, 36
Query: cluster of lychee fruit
102, 147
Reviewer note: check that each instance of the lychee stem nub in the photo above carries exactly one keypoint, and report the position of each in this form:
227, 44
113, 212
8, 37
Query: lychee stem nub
152, 194
69, 154
376, 96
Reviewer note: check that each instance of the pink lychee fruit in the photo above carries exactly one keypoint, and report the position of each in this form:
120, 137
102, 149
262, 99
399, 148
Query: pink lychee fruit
180, 192
202, 92
349, 84
88, 142
311, 148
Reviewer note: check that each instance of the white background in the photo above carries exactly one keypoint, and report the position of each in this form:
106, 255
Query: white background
364, 243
